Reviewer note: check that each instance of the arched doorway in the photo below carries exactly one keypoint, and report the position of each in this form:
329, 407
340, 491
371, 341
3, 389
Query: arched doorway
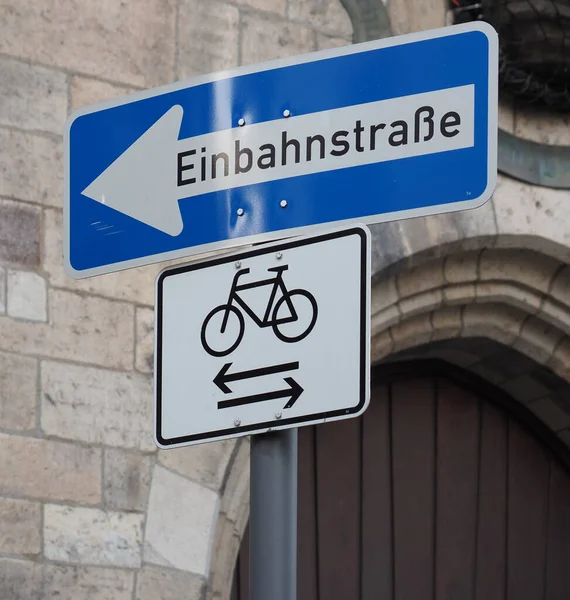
444, 489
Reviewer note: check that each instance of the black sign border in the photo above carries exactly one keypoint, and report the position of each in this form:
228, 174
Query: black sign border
273, 424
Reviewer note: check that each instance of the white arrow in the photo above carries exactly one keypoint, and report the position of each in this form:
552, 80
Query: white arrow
141, 183
157, 170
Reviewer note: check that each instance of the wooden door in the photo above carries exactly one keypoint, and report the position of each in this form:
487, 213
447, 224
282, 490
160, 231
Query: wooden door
436, 493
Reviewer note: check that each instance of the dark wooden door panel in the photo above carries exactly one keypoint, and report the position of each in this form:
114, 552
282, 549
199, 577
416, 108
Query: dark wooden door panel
457, 478
528, 480
490, 581
413, 457
434, 494
377, 568
338, 509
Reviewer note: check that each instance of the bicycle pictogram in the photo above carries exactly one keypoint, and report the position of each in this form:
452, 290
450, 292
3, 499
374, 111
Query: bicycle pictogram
279, 312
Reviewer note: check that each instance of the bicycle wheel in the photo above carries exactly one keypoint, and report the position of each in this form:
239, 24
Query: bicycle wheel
221, 344
297, 297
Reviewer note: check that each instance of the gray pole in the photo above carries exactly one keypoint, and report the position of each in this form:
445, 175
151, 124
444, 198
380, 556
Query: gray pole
273, 516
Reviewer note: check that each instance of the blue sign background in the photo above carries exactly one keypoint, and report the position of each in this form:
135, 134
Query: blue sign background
98, 138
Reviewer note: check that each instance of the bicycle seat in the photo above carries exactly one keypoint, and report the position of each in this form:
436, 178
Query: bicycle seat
278, 269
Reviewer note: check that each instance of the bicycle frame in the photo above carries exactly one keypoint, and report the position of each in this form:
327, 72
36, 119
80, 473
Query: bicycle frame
276, 282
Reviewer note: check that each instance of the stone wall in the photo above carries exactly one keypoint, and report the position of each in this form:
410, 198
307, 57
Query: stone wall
89, 509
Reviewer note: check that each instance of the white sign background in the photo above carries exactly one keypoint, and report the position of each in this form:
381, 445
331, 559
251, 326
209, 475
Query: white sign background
333, 359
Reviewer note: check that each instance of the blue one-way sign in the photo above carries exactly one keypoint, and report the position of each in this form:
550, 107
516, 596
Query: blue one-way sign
373, 132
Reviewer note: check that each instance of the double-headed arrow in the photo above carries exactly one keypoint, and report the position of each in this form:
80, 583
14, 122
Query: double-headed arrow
293, 391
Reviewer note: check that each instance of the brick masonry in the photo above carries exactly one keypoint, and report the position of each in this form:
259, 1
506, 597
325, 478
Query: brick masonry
89, 509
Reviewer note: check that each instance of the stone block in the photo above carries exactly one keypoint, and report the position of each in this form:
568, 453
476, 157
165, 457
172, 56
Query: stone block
278, 7
20, 580
381, 346
532, 217
550, 413
31, 97
87, 583
31, 168
543, 127
132, 285
419, 279
324, 15
384, 295
458, 268
91, 536
560, 360
265, 38
205, 463
19, 234
2, 291
20, 525
420, 303
461, 293
412, 332
499, 322
538, 339
522, 267
85, 91
509, 293
97, 406
447, 323
325, 42
126, 480
144, 356
49, 470
27, 296
175, 536
208, 34
409, 16
167, 584
560, 288
132, 42
236, 489
18, 389
82, 329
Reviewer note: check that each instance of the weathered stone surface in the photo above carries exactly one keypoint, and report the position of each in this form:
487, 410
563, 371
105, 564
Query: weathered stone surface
87, 583
144, 359
426, 277
208, 34
20, 580
20, 523
506, 116
126, 480
90, 536
412, 332
86, 91
543, 127
275, 6
205, 464
31, 97
325, 15
97, 406
508, 293
527, 268
384, 294
447, 323
409, 16
497, 321
166, 584
19, 234
175, 536
27, 296
18, 377
458, 268
325, 42
131, 42
132, 285
80, 329
459, 293
49, 470
266, 38
388, 246
560, 360
532, 217
31, 168
537, 339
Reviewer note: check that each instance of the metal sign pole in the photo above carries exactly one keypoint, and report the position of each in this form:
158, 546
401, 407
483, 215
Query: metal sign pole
273, 516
